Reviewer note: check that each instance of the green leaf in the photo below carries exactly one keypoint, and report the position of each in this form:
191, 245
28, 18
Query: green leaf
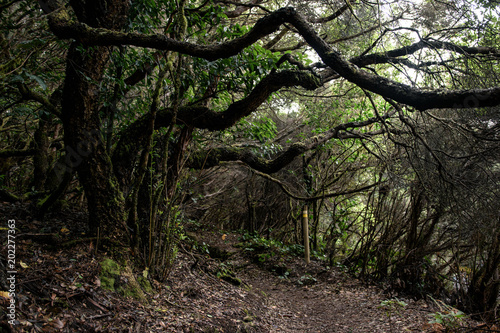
17, 79
38, 79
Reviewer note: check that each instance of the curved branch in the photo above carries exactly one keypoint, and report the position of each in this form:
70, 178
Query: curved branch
28, 94
215, 156
421, 99
63, 27
378, 58
392, 56
132, 138
242, 7
418, 98
285, 189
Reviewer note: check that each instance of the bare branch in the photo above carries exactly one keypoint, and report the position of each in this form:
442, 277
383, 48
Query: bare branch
242, 7
285, 188
16, 153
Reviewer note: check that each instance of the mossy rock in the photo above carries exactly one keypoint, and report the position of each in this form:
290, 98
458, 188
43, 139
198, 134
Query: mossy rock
122, 280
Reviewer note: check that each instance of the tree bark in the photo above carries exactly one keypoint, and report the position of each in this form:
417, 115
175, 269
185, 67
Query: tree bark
85, 148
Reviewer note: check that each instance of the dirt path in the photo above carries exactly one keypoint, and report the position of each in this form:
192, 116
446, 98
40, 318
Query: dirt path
311, 298
59, 291
333, 306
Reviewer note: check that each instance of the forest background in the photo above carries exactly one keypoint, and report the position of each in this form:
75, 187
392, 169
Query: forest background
381, 116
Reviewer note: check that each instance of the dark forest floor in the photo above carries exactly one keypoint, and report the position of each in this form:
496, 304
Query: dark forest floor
58, 290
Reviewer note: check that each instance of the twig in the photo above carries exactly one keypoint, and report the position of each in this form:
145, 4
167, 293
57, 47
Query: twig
99, 316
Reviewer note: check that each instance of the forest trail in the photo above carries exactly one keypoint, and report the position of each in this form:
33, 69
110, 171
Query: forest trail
313, 298
59, 290
338, 305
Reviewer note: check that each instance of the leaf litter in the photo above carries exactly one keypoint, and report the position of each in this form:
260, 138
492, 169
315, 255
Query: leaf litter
59, 290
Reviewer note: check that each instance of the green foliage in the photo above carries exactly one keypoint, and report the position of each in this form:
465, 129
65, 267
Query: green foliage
236, 74
393, 306
307, 280
370, 232
451, 320
261, 129
226, 273
147, 15
26, 77
266, 248
200, 22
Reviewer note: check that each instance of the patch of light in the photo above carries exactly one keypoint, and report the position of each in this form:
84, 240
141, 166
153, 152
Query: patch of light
290, 109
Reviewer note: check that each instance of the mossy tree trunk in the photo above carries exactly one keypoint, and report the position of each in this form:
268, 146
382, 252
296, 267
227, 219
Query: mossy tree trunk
85, 148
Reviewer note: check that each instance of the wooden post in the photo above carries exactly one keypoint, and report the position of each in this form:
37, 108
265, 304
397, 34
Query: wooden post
305, 232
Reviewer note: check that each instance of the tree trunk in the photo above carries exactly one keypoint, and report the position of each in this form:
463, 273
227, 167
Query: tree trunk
85, 149
41, 157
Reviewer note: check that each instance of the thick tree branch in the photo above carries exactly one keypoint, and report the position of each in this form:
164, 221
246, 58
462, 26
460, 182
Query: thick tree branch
213, 157
393, 57
421, 99
63, 27
418, 98
17, 153
378, 58
132, 138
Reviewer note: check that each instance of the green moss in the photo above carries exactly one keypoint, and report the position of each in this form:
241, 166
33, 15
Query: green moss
42, 201
128, 292
60, 205
231, 279
145, 285
110, 271
120, 279
132, 287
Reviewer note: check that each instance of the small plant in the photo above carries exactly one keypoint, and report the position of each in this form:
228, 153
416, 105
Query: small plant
225, 273
447, 316
393, 305
203, 248
307, 280
263, 257
257, 243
